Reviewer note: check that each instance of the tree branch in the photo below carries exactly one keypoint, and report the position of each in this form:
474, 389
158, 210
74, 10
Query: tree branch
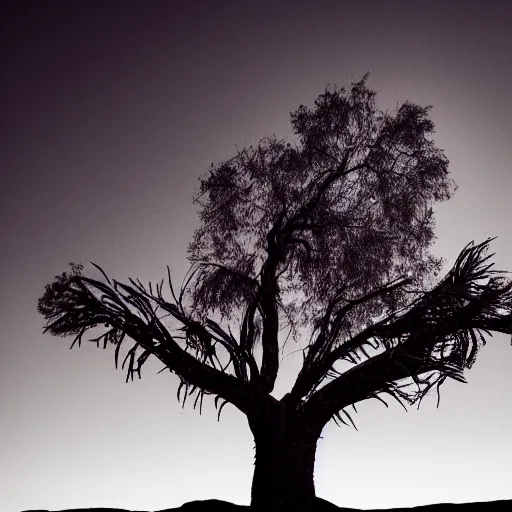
78, 309
450, 316
360, 383
248, 336
320, 358
268, 306
306, 210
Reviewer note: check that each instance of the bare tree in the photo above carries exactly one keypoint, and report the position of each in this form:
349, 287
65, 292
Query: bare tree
328, 238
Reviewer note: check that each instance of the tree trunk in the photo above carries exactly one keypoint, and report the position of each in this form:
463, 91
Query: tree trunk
284, 465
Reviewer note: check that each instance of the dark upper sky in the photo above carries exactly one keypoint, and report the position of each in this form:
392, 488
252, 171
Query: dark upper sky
111, 111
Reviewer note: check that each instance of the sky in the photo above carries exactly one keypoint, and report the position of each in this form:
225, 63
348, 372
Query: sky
111, 112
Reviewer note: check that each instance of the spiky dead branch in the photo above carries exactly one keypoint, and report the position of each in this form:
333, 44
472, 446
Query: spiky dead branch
435, 337
74, 304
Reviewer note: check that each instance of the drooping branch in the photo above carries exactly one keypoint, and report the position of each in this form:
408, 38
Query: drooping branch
71, 305
441, 333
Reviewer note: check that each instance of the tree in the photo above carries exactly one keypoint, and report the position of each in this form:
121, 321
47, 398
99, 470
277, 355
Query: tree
327, 237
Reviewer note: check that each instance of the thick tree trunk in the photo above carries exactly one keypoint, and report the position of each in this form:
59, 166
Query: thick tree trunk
284, 465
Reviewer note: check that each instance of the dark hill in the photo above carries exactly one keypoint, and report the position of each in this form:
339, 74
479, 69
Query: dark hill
322, 506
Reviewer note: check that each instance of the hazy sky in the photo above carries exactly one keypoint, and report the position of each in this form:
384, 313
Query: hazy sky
111, 111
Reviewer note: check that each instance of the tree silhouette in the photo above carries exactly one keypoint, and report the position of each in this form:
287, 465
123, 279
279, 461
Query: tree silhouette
327, 238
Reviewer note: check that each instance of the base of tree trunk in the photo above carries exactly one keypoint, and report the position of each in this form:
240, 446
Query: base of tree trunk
283, 473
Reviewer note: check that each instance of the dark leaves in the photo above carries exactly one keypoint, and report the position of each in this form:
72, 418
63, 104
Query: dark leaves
356, 194
58, 297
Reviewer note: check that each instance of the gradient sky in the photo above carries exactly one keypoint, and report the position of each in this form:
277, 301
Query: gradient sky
111, 111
